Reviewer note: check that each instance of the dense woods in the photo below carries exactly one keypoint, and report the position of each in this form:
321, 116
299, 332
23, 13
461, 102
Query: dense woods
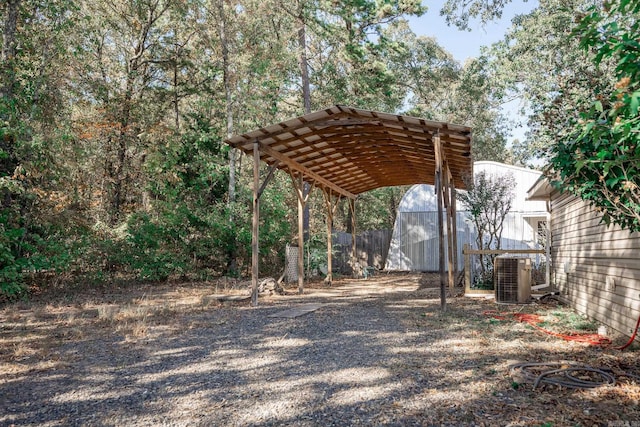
113, 115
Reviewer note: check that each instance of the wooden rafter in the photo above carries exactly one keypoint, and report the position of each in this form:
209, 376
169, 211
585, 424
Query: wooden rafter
347, 151
292, 164
351, 151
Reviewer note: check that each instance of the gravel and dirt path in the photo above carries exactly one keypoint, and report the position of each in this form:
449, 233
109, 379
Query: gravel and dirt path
376, 352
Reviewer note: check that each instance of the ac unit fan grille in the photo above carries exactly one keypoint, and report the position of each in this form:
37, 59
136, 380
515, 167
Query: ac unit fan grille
506, 280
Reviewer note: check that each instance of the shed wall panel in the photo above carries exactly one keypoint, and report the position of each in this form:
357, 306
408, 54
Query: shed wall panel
414, 245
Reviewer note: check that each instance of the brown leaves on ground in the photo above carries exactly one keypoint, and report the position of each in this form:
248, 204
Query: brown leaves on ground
461, 353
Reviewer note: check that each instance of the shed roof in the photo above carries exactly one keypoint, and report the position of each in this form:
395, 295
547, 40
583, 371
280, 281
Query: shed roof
422, 197
353, 151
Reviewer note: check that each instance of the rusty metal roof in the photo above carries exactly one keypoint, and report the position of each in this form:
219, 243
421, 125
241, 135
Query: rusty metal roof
355, 150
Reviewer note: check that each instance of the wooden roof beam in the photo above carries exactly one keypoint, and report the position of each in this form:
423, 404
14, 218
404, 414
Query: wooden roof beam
302, 169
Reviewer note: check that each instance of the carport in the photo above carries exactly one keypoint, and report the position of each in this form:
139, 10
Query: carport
344, 151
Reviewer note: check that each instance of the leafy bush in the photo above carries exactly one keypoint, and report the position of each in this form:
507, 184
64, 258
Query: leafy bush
153, 248
11, 277
24, 251
598, 156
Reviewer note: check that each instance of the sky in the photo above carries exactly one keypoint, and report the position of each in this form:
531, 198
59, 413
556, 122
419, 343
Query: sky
466, 44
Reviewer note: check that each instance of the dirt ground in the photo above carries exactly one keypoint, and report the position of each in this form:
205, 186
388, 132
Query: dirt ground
376, 352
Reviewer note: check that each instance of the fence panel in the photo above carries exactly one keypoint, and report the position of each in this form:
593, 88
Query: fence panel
371, 246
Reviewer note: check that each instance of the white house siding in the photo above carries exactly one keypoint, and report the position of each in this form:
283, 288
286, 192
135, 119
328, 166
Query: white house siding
584, 253
525, 178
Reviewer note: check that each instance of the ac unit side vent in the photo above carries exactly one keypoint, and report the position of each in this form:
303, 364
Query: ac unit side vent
512, 280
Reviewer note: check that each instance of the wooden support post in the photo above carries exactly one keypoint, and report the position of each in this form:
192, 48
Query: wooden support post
454, 215
355, 262
438, 155
298, 186
450, 248
467, 268
331, 208
301, 204
254, 225
329, 277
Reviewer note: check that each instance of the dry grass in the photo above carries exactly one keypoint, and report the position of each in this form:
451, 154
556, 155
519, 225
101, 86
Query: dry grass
466, 353
32, 330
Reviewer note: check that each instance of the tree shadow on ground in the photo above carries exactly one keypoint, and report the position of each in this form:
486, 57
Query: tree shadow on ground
377, 352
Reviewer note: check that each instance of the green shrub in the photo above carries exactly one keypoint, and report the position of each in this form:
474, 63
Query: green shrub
23, 251
154, 249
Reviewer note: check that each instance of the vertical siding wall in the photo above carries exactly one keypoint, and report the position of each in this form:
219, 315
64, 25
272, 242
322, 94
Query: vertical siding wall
587, 257
414, 246
415, 243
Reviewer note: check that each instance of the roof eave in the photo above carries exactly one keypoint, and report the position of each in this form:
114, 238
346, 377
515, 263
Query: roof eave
541, 190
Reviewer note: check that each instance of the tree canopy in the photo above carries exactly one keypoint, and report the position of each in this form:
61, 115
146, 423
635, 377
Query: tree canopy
113, 114
597, 156
574, 65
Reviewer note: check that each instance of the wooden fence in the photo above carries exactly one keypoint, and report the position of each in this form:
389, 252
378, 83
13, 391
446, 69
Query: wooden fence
371, 247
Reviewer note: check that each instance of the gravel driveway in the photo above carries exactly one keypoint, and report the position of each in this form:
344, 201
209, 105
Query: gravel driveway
364, 357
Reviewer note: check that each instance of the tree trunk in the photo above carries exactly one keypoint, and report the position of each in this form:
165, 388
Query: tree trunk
306, 99
304, 63
226, 76
119, 170
136, 70
348, 220
9, 50
176, 95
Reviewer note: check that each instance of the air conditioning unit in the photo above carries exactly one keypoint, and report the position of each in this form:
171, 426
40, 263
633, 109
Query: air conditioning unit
512, 279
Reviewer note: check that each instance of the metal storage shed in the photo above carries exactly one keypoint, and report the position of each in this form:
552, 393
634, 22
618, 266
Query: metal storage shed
414, 244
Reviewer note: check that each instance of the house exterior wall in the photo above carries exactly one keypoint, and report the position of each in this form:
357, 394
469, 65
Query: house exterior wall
596, 268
